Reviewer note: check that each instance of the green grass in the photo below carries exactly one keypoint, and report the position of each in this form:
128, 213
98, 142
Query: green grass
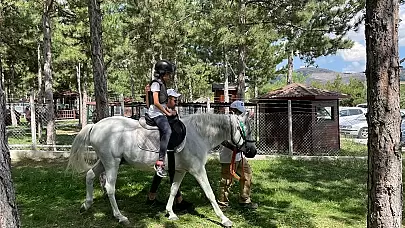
290, 193
65, 133
351, 148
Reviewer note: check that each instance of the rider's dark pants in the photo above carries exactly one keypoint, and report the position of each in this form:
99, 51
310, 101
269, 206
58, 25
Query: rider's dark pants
156, 179
165, 132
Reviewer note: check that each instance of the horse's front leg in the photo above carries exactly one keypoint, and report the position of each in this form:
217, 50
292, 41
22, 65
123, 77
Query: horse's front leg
178, 178
201, 177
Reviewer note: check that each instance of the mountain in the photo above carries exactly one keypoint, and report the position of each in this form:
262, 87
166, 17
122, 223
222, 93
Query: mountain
324, 75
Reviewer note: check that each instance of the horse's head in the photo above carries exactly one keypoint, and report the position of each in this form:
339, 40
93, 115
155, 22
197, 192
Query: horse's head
242, 137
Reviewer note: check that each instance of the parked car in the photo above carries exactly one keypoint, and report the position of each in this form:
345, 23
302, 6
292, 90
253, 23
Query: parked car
363, 105
356, 127
349, 113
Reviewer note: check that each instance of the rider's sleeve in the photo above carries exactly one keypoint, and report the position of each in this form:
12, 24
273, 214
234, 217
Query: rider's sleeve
155, 87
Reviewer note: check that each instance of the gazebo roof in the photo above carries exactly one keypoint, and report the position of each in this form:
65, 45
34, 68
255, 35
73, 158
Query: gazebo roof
298, 91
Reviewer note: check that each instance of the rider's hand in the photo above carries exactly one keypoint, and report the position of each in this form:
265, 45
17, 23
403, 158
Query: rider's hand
147, 88
171, 112
174, 112
168, 112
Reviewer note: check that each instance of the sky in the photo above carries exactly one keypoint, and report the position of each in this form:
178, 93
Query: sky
354, 60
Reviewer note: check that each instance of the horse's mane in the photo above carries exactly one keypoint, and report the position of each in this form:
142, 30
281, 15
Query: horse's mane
208, 124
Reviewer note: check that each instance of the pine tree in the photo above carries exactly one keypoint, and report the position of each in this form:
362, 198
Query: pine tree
384, 150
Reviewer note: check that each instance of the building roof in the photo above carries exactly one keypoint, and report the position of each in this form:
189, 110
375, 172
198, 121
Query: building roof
298, 91
221, 86
65, 94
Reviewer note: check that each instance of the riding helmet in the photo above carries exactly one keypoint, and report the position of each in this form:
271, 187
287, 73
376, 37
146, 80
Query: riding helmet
164, 66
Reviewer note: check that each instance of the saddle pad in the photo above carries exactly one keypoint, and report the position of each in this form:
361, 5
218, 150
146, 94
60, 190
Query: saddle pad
148, 140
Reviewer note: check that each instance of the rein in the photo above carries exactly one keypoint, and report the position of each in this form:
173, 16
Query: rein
232, 166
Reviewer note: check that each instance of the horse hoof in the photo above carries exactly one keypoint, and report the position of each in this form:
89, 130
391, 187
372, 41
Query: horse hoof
124, 222
227, 224
173, 218
82, 209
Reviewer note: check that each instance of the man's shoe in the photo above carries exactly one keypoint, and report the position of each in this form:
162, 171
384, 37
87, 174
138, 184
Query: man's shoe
154, 203
251, 205
184, 205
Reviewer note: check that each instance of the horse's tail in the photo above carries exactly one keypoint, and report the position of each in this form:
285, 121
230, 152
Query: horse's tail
77, 161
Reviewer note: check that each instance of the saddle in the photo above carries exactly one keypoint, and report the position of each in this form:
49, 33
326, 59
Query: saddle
151, 139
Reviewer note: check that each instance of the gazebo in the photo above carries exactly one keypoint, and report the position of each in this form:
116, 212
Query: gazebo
218, 89
315, 120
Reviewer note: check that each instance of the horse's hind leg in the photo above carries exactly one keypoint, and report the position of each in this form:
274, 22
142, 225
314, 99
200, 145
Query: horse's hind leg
111, 171
178, 178
201, 177
91, 174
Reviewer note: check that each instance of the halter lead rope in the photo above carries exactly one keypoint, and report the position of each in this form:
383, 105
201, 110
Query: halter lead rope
232, 166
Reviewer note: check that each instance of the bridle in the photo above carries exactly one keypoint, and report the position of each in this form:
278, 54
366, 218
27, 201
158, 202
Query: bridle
242, 132
242, 137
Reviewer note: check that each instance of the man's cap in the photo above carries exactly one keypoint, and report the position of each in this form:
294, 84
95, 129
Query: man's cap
173, 93
239, 105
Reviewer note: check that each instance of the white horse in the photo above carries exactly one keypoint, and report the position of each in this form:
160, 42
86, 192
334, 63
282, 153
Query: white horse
115, 138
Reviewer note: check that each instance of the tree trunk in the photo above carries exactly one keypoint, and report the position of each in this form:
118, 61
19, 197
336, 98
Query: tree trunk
1, 71
40, 97
99, 76
40, 84
84, 107
85, 97
13, 116
190, 89
384, 151
79, 88
9, 217
242, 53
47, 29
290, 66
256, 94
152, 66
226, 83
175, 79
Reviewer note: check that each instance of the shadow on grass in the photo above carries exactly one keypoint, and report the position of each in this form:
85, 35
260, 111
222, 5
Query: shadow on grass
49, 197
340, 184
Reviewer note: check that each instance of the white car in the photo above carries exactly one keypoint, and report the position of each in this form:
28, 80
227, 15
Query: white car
356, 127
349, 113
363, 105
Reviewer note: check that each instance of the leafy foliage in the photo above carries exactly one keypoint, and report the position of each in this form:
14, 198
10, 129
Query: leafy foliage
356, 90
281, 81
196, 35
